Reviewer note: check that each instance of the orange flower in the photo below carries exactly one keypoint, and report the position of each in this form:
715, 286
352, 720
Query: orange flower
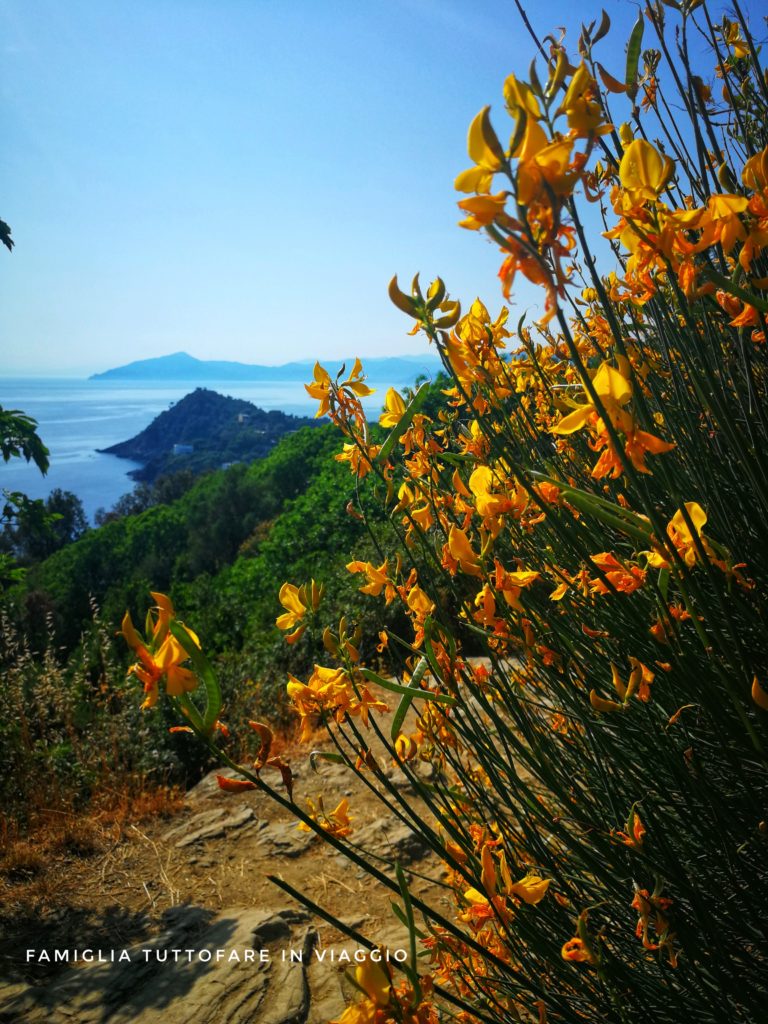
335, 822
624, 579
576, 951
162, 656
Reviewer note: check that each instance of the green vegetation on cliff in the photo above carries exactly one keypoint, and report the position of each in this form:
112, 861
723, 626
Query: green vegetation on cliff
206, 430
221, 546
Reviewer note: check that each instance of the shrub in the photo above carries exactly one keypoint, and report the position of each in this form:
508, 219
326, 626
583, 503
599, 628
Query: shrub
587, 512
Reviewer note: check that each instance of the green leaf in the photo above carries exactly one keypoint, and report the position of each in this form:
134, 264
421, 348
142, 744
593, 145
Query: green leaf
585, 503
730, 286
664, 582
325, 755
429, 650
387, 684
204, 671
399, 913
410, 923
405, 421
606, 511
633, 55
407, 700
189, 711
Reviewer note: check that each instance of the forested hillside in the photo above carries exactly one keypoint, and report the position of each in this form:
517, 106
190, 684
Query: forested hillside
206, 430
223, 548
222, 551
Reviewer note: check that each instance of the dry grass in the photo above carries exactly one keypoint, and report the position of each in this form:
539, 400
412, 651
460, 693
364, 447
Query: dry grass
33, 861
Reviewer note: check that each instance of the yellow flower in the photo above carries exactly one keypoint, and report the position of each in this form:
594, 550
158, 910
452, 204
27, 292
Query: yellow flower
378, 579
489, 503
734, 38
644, 172
725, 225
531, 889
485, 152
373, 980
330, 690
755, 173
626, 134
161, 657
550, 164
581, 105
290, 599
394, 407
482, 210
355, 381
419, 603
613, 389
320, 389
475, 897
326, 392
680, 534
461, 550
577, 951
520, 95
335, 822
298, 601
359, 456
362, 1012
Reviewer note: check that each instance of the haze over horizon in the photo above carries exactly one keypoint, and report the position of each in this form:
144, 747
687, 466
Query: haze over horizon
241, 180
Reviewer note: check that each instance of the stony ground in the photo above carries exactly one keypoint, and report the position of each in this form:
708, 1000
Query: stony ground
198, 880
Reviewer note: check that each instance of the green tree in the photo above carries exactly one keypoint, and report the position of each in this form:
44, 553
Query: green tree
42, 527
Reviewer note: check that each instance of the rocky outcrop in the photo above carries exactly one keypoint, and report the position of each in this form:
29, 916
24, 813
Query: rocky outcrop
259, 962
241, 966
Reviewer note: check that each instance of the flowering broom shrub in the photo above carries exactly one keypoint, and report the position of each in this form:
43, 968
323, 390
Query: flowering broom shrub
581, 554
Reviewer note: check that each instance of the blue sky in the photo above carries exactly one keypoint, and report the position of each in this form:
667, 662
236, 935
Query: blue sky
241, 178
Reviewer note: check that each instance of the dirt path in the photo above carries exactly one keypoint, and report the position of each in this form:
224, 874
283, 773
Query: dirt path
200, 879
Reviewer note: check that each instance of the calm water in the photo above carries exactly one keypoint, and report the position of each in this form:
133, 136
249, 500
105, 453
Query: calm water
75, 417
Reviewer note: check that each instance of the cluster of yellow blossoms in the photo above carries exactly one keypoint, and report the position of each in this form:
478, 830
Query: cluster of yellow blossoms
538, 441
570, 609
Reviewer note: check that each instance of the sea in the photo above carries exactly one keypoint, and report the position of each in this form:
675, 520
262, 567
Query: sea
76, 418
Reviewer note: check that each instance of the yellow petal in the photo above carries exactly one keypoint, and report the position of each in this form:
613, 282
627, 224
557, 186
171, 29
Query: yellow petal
574, 420
321, 375
482, 144
476, 179
533, 141
360, 389
520, 94
372, 979
129, 632
644, 169
599, 704
531, 889
163, 602
461, 550
609, 383
289, 598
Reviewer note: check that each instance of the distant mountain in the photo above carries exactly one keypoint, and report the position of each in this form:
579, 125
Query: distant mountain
205, 430
183, 367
